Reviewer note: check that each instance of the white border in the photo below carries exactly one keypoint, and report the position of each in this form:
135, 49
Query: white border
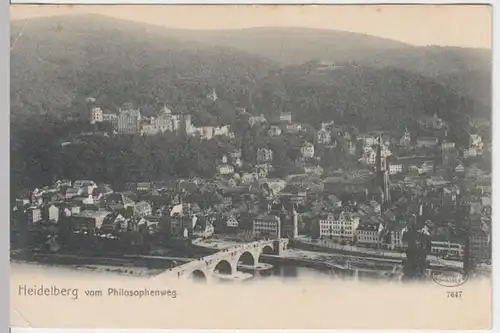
6, 147
237, 2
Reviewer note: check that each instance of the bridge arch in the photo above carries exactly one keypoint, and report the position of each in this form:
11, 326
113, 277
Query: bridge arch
247, 258
268, 249
198, 276
223, 267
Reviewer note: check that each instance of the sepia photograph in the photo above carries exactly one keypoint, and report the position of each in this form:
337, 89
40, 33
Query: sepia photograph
251, 166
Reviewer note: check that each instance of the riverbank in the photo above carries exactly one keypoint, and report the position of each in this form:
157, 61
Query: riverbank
328, 247
139, 266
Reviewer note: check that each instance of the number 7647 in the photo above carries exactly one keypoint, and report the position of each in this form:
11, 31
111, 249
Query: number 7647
454, 294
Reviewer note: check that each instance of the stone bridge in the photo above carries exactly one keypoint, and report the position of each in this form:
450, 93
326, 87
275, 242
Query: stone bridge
225, 261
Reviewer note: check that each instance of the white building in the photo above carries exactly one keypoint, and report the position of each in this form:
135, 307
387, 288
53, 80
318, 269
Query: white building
286, 117
472, 152
446, 145
97, 115
307, 150
232, 222
395, 169
342, 227
370, 155
475, 140
225, 169
369, 233
53, 213
223, 131
266, 226
368, 140
264, 155
323, 136
442, 248
274, 131
34, 214
142, 209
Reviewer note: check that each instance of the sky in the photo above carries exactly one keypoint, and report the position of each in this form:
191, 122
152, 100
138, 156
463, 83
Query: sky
445, 25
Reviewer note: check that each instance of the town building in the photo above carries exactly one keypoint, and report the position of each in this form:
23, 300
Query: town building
323, 136
34, 214
203, 229
286, 117
51, 213
235, 154
144, 187
427, 142
97, 115
307, 150
395, 169
257, 120
232, 222
84, 183
274, 131
266, 226
73, 192
293, 128
368, 140
225, 169
113, 222
75, 210
262, 170
264, 155
396, 238
102, 191
341, 227
89, 220
313, 169
248, 178
426, 167
212, 96
480, 244
368, 234
142, 209
447, 248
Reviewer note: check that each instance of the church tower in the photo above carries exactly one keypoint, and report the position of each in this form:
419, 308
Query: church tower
382, 174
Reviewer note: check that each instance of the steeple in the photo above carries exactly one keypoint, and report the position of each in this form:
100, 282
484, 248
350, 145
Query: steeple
382, 175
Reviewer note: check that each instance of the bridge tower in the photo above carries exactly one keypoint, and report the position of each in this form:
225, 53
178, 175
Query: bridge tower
277, 247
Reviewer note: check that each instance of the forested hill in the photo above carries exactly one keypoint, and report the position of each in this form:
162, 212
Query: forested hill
57, 62
466, 71
362, 96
